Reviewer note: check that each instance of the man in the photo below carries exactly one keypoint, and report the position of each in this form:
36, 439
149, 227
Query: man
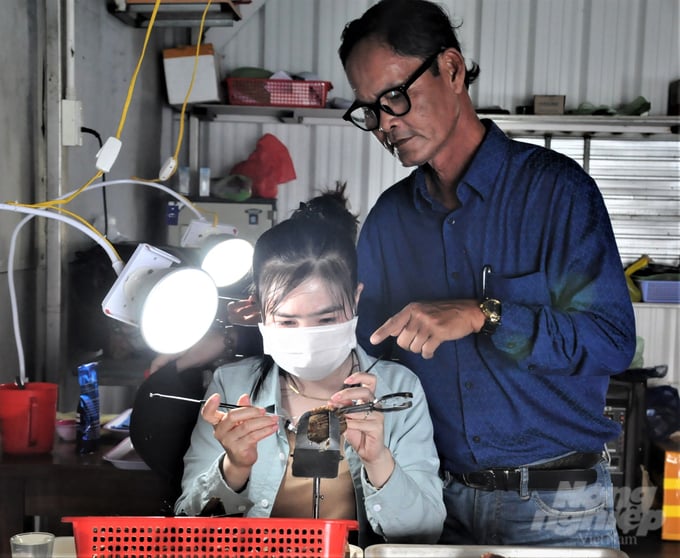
492, 272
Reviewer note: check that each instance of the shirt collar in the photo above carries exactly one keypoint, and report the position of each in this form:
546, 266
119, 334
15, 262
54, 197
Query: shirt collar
480, 175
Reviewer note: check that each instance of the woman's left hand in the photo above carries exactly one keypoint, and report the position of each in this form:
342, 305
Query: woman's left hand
365, 430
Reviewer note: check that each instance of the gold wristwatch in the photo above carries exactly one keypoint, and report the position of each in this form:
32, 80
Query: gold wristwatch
491, 308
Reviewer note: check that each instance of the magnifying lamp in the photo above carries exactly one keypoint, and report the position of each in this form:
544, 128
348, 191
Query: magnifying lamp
226, 258
173, 307
185, 317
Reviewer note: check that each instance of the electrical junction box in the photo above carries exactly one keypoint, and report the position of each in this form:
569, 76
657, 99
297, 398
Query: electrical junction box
178, 64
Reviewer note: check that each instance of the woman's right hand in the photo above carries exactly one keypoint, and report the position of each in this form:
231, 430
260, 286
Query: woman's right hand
212, 345
244, 312
239, 431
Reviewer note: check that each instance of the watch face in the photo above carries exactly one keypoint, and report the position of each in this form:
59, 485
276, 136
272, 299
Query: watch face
492, 309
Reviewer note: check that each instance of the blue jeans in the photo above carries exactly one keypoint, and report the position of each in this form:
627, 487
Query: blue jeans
578, 517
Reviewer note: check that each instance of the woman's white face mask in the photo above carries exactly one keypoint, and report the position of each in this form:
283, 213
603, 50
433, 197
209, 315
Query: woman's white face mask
310, 353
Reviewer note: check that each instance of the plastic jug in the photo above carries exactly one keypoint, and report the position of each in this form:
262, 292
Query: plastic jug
28, 417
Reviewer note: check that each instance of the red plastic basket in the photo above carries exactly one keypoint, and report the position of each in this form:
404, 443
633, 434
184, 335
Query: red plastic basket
277, 92
214, 537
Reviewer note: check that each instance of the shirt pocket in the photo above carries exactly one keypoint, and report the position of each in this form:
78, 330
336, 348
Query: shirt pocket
527, 289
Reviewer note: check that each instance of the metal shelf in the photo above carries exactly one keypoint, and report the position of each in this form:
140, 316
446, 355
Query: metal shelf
513, 124
588, 125
285, 115
171, 14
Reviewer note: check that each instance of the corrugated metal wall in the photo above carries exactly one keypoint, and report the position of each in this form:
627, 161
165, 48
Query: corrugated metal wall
659, 326
606, 52
640, 182
598, 51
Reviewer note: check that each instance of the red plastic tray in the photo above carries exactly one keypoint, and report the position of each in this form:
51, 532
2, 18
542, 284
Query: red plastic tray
217, 537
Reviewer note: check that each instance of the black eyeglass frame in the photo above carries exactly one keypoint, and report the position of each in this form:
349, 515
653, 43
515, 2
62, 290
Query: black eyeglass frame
376, 107
380, 404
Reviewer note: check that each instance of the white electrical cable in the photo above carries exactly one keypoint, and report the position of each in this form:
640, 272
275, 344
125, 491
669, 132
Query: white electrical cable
182, 199
13, 300
31, 212
117, 264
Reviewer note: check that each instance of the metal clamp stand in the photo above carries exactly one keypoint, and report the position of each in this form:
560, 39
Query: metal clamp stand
317, 460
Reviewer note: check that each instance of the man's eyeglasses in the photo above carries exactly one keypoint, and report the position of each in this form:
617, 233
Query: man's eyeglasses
394, 101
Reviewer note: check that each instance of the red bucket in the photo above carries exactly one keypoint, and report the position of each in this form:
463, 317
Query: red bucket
27, 417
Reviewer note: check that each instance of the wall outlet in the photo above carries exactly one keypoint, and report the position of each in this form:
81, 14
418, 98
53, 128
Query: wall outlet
71, 122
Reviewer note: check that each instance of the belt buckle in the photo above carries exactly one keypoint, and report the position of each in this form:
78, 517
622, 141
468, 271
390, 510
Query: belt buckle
489, 483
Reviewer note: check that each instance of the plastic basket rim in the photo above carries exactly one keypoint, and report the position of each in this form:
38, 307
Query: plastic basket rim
255, 537
278, 80
659, 290
136, 519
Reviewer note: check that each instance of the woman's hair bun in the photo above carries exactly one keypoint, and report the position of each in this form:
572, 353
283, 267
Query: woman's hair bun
331, 207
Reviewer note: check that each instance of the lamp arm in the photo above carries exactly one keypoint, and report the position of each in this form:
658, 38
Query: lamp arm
182, 199
116, 263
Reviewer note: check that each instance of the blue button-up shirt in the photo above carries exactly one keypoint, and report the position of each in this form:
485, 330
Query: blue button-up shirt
536, 388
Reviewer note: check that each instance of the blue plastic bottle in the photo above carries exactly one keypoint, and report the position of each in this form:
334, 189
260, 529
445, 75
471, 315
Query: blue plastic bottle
87, 439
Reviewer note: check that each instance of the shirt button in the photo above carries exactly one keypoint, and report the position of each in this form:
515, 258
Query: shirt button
377, 507
282, 456
468, 385
264, 503
452, 221
241, 508
476, 438
532, 367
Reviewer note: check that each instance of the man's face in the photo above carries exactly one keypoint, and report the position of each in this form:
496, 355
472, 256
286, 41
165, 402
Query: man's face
419, 135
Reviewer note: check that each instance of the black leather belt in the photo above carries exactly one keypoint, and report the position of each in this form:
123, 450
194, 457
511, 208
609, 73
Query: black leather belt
575, 470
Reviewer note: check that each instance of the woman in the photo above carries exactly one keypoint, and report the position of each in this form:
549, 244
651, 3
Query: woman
305, 284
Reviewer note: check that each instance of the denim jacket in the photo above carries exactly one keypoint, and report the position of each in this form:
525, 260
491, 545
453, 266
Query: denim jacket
408, 508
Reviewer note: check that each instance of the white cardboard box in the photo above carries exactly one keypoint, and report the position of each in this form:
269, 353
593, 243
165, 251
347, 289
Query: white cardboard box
178, 64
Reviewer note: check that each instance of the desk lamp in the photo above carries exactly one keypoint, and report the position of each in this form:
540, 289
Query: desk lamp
226, 258
146, 292
172, 306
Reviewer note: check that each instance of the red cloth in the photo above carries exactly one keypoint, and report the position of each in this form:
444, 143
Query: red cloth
268, 166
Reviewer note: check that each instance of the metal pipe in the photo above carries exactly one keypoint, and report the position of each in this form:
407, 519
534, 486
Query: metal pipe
316, 497
70, 50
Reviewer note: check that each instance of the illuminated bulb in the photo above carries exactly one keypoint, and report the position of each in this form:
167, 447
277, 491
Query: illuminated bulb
179, 310
228, 261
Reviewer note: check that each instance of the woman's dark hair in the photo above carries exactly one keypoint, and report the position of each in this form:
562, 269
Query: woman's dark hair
317, 241
409, 27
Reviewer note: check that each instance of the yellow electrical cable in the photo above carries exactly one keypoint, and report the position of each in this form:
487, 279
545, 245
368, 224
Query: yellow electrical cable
56, 203
180, 135
51, 204
64, 201
191, 83
82, 221
128, 99
89, 226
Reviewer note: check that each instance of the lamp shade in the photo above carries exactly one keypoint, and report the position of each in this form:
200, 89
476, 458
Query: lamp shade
178, 309
227, 260
173, 307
